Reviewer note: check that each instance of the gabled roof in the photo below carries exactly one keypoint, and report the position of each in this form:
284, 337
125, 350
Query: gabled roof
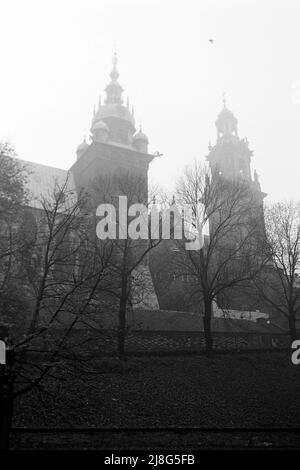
44, 180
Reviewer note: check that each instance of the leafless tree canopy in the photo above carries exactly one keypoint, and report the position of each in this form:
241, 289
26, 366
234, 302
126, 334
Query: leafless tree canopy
279, 286
233, 249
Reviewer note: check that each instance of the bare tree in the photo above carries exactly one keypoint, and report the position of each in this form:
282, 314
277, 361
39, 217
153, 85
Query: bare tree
231, 253
13, 197
12, 200
279, 285
128, 254
62, 274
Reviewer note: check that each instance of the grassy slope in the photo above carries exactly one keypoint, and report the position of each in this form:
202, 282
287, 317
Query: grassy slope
247, 390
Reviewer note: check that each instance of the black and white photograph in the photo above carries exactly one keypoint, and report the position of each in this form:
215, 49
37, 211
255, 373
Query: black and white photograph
149, 228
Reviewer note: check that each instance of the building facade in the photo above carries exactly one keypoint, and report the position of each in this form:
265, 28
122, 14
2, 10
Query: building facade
115, 147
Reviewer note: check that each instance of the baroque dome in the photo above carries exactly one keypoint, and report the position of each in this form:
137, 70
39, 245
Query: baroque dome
83, 146
140, 136
100, 125
113, 110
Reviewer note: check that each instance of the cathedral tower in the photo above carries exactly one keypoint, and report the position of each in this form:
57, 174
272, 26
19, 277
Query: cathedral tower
242, 241
115, 145
230, 157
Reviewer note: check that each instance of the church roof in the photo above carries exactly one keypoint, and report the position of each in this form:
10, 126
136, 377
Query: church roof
42, 181
83, 146
100, 125
140, 136
113, 110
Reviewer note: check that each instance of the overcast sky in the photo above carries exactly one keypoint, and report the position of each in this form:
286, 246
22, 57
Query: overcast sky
56, 59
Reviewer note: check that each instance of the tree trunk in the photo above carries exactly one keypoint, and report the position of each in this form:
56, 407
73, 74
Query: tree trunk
207, 328
292, 327
6, 414
6, 402
122, 318
121, 330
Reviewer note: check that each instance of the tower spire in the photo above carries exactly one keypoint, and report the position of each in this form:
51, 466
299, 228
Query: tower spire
226, 123
114, 89
114, 74
224, 99
112, 116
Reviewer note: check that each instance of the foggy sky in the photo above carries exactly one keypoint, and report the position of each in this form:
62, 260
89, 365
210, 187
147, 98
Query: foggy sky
56, 59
